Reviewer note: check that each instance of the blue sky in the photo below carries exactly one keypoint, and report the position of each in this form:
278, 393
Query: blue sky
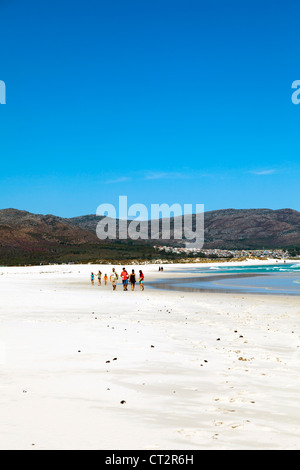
162, 101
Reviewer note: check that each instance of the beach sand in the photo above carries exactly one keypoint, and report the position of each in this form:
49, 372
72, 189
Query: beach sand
83, 367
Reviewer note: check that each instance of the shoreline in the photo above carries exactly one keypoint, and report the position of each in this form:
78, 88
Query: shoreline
178, 285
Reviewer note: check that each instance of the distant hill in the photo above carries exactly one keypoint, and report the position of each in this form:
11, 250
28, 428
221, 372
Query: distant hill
35, 238
21, 229
27, 238
252, 228
236, 228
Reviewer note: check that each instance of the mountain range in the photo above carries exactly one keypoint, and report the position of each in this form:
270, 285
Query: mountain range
27, 237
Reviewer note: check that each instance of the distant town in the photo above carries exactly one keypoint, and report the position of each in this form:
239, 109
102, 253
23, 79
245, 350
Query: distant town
228, 254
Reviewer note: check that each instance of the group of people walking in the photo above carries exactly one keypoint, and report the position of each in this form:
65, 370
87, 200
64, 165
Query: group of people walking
126, 279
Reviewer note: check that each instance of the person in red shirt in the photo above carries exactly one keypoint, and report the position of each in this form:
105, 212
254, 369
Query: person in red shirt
141, 280
124, 276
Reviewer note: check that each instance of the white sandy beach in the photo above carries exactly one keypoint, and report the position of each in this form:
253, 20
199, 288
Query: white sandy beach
196, 370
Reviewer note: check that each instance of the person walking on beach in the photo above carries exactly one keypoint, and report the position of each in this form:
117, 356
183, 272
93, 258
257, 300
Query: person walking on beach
92, 278
99, 277
113, 279
124, 276
132, 279
141, 280
105, 279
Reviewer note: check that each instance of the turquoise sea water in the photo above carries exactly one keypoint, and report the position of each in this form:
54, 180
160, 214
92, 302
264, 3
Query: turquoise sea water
281, 279
254, 269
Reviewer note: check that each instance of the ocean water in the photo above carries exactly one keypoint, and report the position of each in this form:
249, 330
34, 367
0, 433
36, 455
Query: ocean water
248, 269
277, 279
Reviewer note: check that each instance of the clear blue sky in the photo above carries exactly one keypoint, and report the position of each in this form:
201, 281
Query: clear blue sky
175, 101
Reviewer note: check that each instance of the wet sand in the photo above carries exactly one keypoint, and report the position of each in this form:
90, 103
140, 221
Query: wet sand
222, 283
178, 283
